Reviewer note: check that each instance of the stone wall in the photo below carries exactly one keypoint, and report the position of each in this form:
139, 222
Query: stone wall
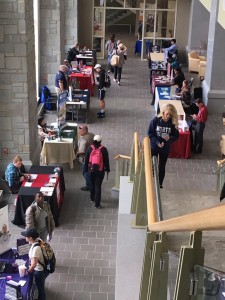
18, 133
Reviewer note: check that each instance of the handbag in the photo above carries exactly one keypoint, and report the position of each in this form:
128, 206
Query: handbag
23, 246
115, 60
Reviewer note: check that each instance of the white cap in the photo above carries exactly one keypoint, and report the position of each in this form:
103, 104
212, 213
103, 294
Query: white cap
97, 66
97, 138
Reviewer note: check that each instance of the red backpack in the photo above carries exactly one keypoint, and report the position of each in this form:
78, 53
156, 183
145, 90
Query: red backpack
96, 159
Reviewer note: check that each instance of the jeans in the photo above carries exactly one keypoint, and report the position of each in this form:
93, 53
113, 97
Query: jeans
162, 159
86, 177
96, 186
40, 277
117, 73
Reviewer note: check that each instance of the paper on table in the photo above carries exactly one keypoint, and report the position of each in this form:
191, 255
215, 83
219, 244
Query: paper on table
28, 184
22, 282
48, 194
33, 176
46, 189
52, 180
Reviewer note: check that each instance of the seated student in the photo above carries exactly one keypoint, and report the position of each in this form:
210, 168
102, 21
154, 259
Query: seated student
13, 175
178, 79
43, 131
185, 93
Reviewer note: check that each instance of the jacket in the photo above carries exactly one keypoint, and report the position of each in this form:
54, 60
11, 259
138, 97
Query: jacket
32, 216
105, 156
101, 79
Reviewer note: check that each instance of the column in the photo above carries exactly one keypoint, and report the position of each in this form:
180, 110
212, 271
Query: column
18, 128
214, 83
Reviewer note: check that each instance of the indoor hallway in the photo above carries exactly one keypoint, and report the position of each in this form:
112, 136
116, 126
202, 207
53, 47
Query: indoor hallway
85, 242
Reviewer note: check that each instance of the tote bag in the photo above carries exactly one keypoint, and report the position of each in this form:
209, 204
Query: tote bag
115, 60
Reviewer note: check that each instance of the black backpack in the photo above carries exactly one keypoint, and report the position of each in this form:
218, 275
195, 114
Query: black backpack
107, 80
48, 255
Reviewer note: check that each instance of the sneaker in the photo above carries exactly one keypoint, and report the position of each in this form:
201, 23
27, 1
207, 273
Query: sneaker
101, 115
99, 207
115, 80
109, 71
118, 83
161, 187
85, 188
92, 200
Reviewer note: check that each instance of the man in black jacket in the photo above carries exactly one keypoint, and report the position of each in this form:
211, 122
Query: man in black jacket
97, 163
101, 90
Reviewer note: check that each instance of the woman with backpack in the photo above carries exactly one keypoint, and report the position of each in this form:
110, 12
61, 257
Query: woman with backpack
97, 163
120, 52
36, 261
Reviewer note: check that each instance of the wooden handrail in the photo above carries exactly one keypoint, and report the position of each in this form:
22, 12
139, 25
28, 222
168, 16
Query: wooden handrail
150, 196
136, 152
121, 156
221, 162
207, 219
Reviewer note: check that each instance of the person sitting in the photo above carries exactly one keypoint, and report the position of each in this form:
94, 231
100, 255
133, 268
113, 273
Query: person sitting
39, 216
73, 52
185, 94
178, 79
13, 175
43, 131
84, 141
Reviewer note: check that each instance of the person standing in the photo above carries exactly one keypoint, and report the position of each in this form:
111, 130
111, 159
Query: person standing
171, 51
121, 49
163, 131
61, 83
198, 125
13, 175
97, 163
110, 46
36, 261
84, 141
39, 216
101, 89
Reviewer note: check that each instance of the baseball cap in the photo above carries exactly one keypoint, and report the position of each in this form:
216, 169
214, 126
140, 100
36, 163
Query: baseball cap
97, 66
97, 138
30, 232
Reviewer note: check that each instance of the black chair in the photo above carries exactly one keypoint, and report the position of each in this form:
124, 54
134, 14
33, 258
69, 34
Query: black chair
190, 81
7, 193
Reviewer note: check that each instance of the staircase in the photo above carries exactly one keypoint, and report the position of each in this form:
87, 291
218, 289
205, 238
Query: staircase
116, 16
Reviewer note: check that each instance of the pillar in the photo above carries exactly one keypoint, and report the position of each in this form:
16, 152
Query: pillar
18, 130
214, 83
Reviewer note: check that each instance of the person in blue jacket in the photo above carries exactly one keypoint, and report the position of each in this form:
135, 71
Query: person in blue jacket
163, 131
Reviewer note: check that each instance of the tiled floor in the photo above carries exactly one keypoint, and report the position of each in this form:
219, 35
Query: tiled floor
85, 241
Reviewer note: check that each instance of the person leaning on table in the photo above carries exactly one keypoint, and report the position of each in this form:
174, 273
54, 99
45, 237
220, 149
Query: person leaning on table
39, 216
36, 261
13, 175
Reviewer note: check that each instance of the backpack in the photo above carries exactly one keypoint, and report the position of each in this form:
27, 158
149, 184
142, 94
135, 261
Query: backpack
107, 80
49, 256
96, 159
45, 96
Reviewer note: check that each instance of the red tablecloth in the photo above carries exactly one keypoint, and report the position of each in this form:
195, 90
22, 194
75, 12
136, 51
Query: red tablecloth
86, 81
182, 147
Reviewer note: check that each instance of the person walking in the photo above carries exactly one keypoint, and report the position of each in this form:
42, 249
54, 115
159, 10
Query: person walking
121, 49
39, 216
163, 131
36, 261
110, 46
97, 163
198, 125
101, 89
84, 141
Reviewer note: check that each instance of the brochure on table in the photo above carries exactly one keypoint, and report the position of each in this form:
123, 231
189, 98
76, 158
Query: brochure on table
4, 230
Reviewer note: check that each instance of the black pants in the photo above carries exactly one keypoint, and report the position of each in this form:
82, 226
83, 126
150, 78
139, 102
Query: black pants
197, 141
162, 159
117, 73
96, 178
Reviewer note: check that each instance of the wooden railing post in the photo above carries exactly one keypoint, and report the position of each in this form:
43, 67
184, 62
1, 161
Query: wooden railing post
134, 157
149, 241
189, 257
135, 189
158, 278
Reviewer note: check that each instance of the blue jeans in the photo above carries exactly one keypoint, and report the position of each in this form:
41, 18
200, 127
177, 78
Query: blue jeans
40, 277
86, 177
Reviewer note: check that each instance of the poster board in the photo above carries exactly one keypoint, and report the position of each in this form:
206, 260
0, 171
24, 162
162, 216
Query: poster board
61, 108
4, 230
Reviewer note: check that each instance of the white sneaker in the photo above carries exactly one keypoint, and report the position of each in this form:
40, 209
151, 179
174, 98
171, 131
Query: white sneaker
118, 83
114, 80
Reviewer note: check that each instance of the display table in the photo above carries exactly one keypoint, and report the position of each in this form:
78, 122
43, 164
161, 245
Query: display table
58, 151
157, 68
27, 290
159, 81
86, 81
26, 196
78, 105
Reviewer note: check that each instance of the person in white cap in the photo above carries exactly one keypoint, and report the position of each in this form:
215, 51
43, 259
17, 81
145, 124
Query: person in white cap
101, 90
97, 162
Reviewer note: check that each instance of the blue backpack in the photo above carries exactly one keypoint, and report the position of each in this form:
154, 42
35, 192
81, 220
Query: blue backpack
45, 96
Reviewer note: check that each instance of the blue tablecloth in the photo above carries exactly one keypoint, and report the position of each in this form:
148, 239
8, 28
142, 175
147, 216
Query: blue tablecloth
10, 270
164, 93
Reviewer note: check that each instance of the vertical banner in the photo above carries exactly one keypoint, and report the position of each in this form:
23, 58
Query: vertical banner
4, 230
62, 98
